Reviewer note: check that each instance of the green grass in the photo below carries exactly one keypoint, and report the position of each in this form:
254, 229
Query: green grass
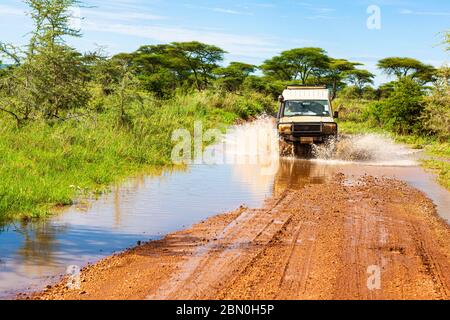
442, 170
437, 152
46, 165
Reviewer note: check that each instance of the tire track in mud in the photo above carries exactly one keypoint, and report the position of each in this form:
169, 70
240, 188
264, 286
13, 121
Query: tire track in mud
431, 265
232, 250
295, 275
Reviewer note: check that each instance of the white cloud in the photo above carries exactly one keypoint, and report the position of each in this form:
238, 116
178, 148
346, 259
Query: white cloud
320, 17
121, 15
10, 10
229, 11
220, 10
425, 13
317, 11
242, 45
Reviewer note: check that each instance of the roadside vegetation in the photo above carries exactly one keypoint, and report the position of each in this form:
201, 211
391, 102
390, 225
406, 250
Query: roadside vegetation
414, 109
73, 123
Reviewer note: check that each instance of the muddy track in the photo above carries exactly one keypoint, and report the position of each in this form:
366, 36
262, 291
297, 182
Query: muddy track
320, 242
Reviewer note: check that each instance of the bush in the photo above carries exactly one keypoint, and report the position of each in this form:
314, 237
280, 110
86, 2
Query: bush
349, 93
401, 112
373, 113
436, 115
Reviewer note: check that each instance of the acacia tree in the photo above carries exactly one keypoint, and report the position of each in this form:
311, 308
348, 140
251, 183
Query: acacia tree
359, 78
278, 68
401, 67
233, 76
297, 64
48, 79
51, 21
338, 70
157, 70
199, 58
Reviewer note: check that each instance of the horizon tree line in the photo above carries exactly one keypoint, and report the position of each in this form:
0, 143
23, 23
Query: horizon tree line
51, 80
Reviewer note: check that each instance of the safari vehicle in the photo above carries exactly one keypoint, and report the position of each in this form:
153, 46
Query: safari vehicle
305, 118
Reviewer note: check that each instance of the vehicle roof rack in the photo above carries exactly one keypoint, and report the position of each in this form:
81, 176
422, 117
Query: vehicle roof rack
299, 86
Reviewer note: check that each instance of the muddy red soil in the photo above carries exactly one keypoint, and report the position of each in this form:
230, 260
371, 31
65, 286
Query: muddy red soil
368, 239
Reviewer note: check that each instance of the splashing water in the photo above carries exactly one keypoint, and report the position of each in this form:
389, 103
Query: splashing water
369, 149
257, 142
254, 142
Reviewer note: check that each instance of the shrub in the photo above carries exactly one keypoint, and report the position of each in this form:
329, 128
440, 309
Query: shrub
436, 115
373, 113
401, 112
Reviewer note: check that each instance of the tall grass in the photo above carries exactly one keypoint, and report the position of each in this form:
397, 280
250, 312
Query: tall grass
43, 165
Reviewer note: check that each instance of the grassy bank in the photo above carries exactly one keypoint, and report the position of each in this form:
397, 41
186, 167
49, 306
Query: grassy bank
437, 153
43, 165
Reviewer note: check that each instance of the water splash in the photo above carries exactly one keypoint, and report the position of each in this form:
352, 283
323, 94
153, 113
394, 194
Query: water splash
368, 149
257, 142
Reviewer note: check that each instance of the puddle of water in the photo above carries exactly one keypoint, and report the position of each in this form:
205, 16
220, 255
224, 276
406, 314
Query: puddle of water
148, 207
295, 174
142, 209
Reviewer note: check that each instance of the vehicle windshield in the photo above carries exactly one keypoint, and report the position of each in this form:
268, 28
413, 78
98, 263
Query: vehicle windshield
319, 108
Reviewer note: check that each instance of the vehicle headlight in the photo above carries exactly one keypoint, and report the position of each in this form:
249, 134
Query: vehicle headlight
329, 128
285, 128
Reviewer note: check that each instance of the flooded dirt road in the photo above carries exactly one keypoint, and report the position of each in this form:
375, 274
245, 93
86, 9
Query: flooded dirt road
368, 238
146, 208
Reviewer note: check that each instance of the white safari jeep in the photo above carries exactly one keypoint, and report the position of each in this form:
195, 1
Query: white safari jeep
305, 118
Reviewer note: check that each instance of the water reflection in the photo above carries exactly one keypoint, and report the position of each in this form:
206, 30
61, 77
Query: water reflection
142, 209
39, 243
294, 174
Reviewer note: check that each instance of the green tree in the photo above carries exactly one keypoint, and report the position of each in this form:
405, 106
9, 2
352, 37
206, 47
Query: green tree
233, 76
297, 64
49, 79
159, 72
436, 115
199, 58
403, 67
337, 71
384, 90
359, 78
278, 68
403, 109
107, 72
125, 90
52, 22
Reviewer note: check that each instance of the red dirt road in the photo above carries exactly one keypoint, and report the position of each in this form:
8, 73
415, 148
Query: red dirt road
367, 239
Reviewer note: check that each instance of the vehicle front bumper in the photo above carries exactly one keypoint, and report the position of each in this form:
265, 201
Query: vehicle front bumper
304, 138
317, 136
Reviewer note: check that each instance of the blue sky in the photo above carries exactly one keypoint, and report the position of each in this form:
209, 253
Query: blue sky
254, 30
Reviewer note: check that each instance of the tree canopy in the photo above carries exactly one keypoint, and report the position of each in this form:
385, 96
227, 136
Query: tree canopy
338, 71
297, 64
49, 78
402, 67
360, 78
199, 58
233, 76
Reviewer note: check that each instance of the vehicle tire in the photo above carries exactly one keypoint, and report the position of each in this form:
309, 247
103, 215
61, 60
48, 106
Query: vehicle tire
286, 149
303, 151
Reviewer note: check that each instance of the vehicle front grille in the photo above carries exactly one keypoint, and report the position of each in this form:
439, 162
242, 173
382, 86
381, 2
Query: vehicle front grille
307, 128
